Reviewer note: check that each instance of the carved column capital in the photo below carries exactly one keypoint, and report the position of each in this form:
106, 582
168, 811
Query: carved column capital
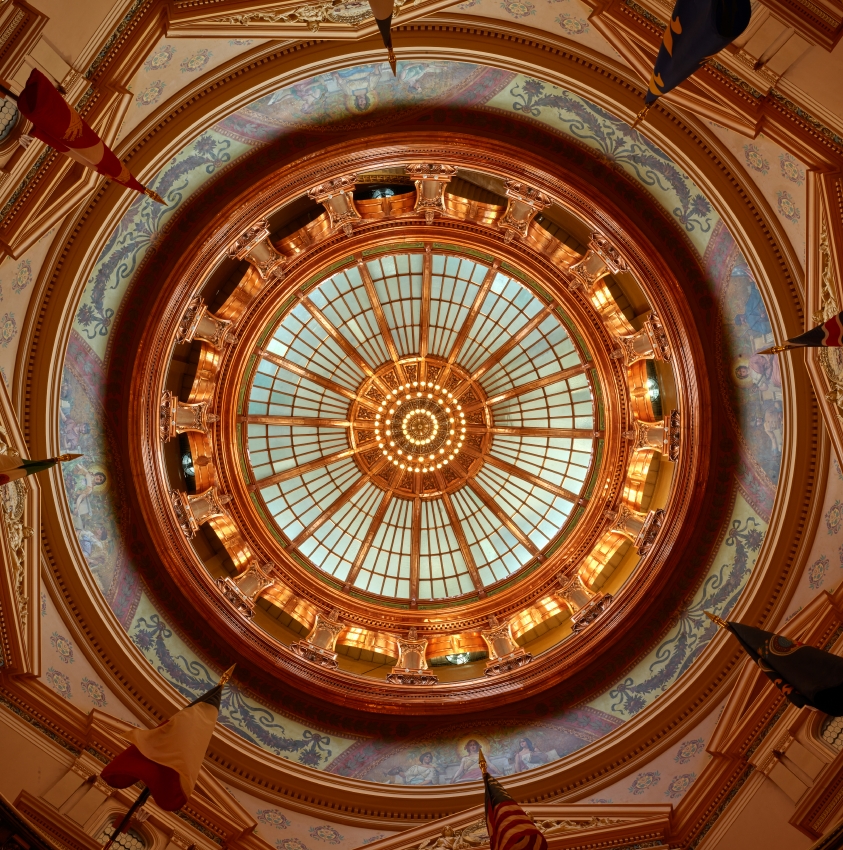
430, 179
411, 668
177, 417
255, 246
642, 529
523, 204
504, 653
192, 511
243, 590
318, 646
337, 196
601, 259
198, 323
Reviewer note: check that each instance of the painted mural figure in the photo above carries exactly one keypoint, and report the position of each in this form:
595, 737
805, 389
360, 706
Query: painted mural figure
359, 86
82, 505
469, 769
528, 756
423, 773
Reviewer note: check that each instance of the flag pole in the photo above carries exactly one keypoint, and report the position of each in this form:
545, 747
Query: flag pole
640, 117
721, 623
481, 760
775, 349
142, 798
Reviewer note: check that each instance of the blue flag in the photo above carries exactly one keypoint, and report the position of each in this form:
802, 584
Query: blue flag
698, 29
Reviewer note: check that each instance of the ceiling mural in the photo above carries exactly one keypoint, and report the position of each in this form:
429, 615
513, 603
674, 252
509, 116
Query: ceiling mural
354, 97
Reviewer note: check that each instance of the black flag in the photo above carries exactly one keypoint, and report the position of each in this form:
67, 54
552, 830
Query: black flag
804, 674
698, 29
383, 11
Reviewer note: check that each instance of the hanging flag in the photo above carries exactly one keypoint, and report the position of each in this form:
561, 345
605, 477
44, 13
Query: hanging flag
698, 29
168, 759
829, 333
12, 467
509, 826
383, 11
61, 127
804, 674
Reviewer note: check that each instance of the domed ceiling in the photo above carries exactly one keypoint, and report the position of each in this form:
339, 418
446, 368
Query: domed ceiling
491, 404
422, 423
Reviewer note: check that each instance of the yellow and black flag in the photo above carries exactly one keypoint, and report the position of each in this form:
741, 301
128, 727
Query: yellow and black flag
509, 826
383, 11
804, 674
698, 29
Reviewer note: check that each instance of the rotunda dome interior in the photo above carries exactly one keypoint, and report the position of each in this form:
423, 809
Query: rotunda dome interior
434, 398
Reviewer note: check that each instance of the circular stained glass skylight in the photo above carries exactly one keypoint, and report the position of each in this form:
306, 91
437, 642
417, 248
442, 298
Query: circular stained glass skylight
421, 425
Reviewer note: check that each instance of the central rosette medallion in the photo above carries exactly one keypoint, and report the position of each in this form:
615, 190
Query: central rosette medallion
420, 427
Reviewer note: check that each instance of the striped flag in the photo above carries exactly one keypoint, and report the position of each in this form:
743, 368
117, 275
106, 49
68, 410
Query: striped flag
13, 467
168, 759
59, 125
509, 826
829, 333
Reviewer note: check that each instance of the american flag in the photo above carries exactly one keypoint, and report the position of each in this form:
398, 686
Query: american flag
510, 827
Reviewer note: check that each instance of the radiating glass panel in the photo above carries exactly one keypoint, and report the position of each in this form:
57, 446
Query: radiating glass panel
398, 282
546, 350
454, 286
507, 307
335, 544
295, 503
539, 513
496, 551
564, 404
277, 448
386, 568
277, 392
344, 301
561, 460
442, 569
303, 341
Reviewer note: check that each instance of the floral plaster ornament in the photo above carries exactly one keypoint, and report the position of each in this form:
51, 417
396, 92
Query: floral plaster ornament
197, 62
644, 782
239, 42
8, 329
787, 207
290, 844
23, 276
679, 785
95, 692
688, 749
755, 160
273, 817
571, 24
160, 59
63, 648
151, 94
518, 8
817, 571
58, 682
834, 517
326, 833
791, 169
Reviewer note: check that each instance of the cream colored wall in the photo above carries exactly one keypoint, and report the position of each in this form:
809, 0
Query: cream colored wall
36, 768
73, 23
763, 822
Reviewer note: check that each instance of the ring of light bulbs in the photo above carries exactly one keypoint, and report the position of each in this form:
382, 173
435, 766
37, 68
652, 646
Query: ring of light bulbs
386, 424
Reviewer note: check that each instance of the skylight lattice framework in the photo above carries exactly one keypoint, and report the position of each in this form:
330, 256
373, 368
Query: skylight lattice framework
336, 359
